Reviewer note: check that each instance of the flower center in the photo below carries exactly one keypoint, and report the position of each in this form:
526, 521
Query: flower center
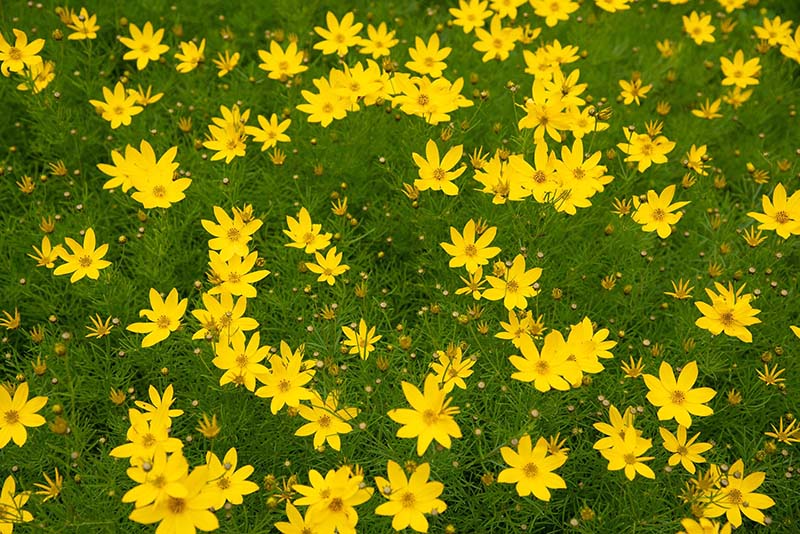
327, 107
678, 397
242, 360
324, 421
735, 497
512, 286
408, 500
148, 440
726, 318
308, 238
530, 470
11, 417
284, 385
430, 417
145, 48
423, 100
658, 214
163, 321
542, 367
539, 177
160, 481
234, 235
15, 53
224, 483
159, 191
234, 278
630, 459
578, 173
439, 174
470, 250
782, 217
683, 451
85, 261
336, 505
176, 505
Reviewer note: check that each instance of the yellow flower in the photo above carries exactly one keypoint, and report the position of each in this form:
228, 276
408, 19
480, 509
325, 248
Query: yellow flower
85, 26
739, 72
280, 64
781, 214
16, 58
633, 90
678, 399
361, 342
687, 453
305, 234
230, 236
52, 487
236, 274
681, 290
190, 56
468, 252
379, 41
531, 468
729, 312
286, 379
11, 504
18, 413
145, 45
470, 14
271, 132
409, 498
85, 260
430, 416
325, 420
47, 256
339, 36
737, 497
328, 267
516, 286
626, 453
118, 107
38, 76
633, 369
699, 27
226, 63
208, 427
99, 327
428, 58
164, 317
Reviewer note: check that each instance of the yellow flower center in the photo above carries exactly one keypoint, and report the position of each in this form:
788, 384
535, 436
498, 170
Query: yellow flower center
159, 191
242, 360
163, 321
542, 367
530, 470
160, 481
85, 261
283, 65
145, 48
408, 500
234, 235
630, 459
735, 497
782, 217
284, 385
327, 107
678, 397
224, 483
14, 53
683, 451
308, 238
118, 110
11, 417
176, 505
439, 174
578, 173
512, 286
539, 177
324, 421
658, 214
148, 440
423, 100
726, 318
470, 250
430, 417
234, 278
336, 505
429, 61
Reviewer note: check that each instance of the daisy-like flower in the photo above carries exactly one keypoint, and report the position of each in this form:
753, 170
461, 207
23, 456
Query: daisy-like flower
48, 254
85, 260
271, 133
438, 174
285, 380
222, 318
428, 58
339, 36
51, 489
280, 64
498, 42
163, 479
703, 526
516, 286
297, 524
379, 41
236, 275
699, 27
409, 498
729, 312
17, 413
633, 91
468, 252
450, 368
739, 72
22, 54
531, 468
100, 328
781, 214
656, 214
85, 26
775, 31
788, 435
325, 420
678, 399
325, 106
328, 267
738, 497
228, 483
430, 416
687, 453
145, 45
548, 369
230, 234
241, 360
470, 14
554, 11
118, 107
164, 317
11, 504
190, 56
332, 500
38, 77
361, 342
305, 234
226, 63
626, 453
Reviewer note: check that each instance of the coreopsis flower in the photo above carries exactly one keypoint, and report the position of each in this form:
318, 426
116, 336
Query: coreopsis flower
633, 90
516, 285
438, 174
85, 260
305, 234
208, 428
163, 480
160, 406
298, 524
340, 35
37, 77
775, 31
118, 107
156, 184
470, 14
145, 45
531, 468
698, 27
791, 47
47, 256
325, 106
544, 113
709, 110
147, 438
703, 526
100, 328
615, 429
549, 368
430, 416
612, 6
51, 489
230, 234
145, 97
468, 252
85, 26
428, 58
164, 317
226, 63
450, 368
236, 275
678, 398
626, 453
687, 453
285, 380
190, 56
729, 312
18, 413
539, 179
325, 420
332, 500
227, 483
739, 72
22, 54
281, 64
271, 131
498, 42
554, 11
738, 497
378, 42
328, 267
241, 360
11, 504
409, 498
781, 214
361, 342
645, 149
187, 512
656, 214
222, 319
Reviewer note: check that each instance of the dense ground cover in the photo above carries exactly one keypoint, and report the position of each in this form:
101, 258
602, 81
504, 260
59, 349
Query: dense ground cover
446, 266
